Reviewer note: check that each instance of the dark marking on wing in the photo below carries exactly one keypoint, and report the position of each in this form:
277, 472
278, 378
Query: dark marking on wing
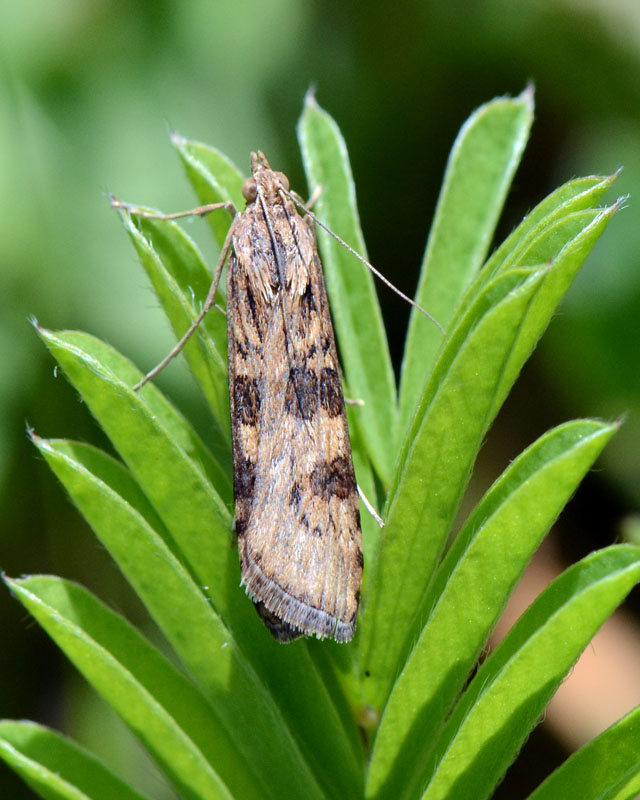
334, 479
246, 399
307, 304
331, 392
244, 478
302, 393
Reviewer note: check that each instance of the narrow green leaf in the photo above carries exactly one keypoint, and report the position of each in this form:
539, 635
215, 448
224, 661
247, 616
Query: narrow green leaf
76, 464
162, 707
200, 534
56, 768
107, 365
510, 690
497, 540
631, 791
215, 179
541, 236
576, 195
109, 499
561, 272
481, 166
168, 467
433, 471
439, 454
181, 282
551, 239
354, 305
103, 491
608, 768
179, 606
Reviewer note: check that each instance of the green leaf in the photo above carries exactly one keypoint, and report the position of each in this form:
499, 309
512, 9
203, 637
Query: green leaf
110, 501
444, 441
161, 706
433, 471
570, 253
608, 768
180, 491
497, 540
354, 306
548, 242
510, 690
181, 282
57, 768
201, 537
480, 170
630, 791
578, 194
93, 478
545, 232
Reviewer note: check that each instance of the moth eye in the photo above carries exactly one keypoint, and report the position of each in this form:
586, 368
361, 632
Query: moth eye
284, 181
249, 190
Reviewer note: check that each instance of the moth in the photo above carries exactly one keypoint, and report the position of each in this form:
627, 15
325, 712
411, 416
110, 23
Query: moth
297, 518
297, 515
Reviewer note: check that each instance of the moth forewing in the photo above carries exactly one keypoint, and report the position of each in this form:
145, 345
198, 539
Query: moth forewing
297, 512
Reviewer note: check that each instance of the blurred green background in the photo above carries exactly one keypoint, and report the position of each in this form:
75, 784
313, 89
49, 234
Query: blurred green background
87, 91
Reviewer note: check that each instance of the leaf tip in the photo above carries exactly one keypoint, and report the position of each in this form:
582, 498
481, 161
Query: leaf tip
43, 333
33, 436
310, 98
619, 421
619, 204
177, 139
528, 95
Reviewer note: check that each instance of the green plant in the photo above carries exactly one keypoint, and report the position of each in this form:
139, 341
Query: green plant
388, 715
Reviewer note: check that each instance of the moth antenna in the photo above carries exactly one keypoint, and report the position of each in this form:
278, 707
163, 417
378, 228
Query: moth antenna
368, 264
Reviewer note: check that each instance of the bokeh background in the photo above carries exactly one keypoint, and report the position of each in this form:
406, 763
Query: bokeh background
87, 92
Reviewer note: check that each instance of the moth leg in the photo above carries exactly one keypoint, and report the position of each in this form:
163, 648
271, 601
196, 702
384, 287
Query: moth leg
208, 304
200, 211
369, 506
315, 196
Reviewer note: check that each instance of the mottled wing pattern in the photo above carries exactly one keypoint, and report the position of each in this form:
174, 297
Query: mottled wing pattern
297, 512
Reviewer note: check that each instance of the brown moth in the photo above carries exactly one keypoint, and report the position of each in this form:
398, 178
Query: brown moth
297, 516
297, 513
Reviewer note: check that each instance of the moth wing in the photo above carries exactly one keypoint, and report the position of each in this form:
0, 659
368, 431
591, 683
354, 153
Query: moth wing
297, 508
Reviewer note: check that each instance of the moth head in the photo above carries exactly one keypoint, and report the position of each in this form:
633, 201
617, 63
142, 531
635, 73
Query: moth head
270, 183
